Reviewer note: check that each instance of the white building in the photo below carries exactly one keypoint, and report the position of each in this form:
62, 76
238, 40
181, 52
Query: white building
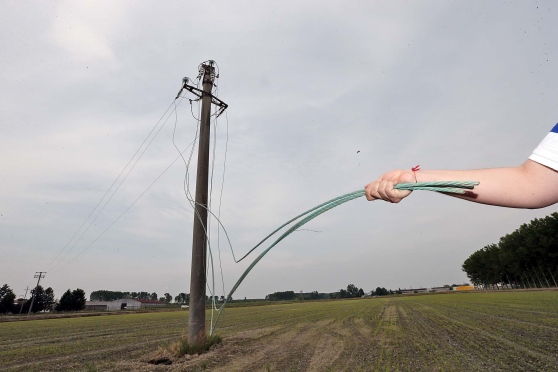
122, 304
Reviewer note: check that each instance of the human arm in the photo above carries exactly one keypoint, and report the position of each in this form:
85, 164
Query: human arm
530, 185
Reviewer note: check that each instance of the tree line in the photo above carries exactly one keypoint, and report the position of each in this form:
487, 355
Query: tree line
104, 295
181, 298
352, 291
526, 258
41, 300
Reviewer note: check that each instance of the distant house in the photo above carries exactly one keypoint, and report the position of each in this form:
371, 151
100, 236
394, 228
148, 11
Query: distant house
464, 288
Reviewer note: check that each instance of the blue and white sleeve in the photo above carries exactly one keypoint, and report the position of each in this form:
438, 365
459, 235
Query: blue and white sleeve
547, 151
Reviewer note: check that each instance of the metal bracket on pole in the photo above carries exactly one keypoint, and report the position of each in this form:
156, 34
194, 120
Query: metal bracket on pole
200, 94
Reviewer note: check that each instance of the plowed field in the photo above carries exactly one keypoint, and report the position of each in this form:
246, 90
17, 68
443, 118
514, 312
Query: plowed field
496, 331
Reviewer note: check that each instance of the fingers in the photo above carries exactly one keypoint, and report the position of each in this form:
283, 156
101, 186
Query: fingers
379, 190
384, 190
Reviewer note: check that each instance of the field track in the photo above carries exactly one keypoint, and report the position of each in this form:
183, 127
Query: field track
499, 331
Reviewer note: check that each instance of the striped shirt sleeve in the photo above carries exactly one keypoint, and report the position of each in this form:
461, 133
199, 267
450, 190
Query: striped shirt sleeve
547, 151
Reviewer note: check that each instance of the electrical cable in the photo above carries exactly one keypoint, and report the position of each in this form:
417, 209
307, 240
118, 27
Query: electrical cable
220, 201
111, 186
126, 210
455, 187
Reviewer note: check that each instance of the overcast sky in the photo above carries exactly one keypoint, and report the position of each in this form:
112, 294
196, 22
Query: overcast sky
323, 97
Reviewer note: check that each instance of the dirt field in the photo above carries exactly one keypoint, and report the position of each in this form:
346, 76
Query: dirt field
502, 331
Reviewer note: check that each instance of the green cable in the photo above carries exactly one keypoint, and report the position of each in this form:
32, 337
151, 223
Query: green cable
454, 187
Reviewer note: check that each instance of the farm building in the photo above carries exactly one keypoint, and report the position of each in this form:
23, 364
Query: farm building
440, 289
97, 305
464, 288
151, 303
121, 304
124, 304
414, 290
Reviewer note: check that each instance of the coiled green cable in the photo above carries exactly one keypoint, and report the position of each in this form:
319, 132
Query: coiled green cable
453, 187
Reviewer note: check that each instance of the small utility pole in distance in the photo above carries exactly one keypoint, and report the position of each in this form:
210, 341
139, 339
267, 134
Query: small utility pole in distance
40, 274
24, 297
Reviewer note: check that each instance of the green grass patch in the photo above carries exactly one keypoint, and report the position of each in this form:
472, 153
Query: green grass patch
185, 348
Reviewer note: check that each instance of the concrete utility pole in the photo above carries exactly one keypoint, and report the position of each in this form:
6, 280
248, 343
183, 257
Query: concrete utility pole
24, 297
196, 316
40, 274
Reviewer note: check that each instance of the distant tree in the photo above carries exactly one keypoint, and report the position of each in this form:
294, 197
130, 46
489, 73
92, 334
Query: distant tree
281, 296
524, 258
144, 296
49, 299
79, 298
168, 298
66, 302
72, 301
352, 291
7, 298
381, 291
38, 302
360, 292
342, 293
222, 299
182, 298
104, 295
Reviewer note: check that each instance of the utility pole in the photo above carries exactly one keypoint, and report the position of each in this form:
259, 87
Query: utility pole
198, 278
40, 274
24, 297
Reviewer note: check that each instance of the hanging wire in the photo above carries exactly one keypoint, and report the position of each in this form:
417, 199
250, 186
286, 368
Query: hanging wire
298, 221
126, 210
455, 187
112, 185
220, 201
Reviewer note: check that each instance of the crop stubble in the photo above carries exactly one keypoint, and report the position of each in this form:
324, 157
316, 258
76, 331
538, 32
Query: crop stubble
463, 331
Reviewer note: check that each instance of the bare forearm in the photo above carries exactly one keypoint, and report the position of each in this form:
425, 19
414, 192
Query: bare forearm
529, 185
